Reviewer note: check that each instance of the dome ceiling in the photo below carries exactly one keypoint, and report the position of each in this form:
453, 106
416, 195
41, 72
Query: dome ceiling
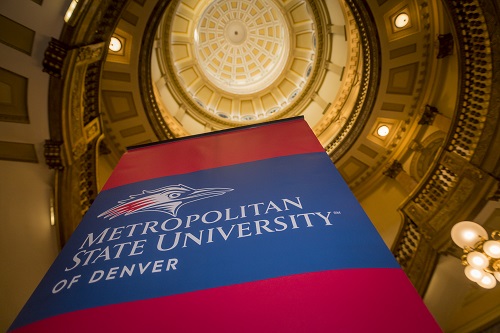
240, 47
227, 63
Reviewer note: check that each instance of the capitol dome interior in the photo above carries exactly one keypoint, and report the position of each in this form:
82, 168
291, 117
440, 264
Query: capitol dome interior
404, 96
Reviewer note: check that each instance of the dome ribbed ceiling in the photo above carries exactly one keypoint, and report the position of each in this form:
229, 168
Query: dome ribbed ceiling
242, 47
238, 61
217, 64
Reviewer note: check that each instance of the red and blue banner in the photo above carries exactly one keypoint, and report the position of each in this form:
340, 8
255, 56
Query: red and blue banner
244, 230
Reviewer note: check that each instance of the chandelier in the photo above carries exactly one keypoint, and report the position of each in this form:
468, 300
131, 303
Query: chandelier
481, 256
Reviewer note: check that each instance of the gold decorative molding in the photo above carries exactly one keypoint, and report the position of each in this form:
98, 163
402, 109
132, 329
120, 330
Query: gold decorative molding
77, 134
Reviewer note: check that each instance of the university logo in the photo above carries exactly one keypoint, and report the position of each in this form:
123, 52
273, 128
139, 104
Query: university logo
166, 200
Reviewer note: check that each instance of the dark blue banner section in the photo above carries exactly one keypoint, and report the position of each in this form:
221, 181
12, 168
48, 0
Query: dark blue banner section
217, 227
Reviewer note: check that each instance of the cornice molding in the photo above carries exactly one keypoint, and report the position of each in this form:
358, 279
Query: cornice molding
368, 81
167, 127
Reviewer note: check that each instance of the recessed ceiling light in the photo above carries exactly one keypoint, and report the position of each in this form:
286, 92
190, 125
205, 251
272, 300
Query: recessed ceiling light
70, 10
383, 130
401, 20
115, 44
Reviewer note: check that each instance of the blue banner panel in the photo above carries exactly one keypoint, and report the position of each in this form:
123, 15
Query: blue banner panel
234, 226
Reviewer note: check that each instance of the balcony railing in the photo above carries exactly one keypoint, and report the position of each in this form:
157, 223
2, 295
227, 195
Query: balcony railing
454, 186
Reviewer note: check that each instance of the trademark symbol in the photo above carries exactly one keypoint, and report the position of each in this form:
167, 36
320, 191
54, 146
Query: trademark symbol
336, 212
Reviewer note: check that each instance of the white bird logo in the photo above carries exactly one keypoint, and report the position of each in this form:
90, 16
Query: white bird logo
166, 199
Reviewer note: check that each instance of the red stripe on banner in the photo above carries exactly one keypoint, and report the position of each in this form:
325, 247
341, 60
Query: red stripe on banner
357, 300
226, 148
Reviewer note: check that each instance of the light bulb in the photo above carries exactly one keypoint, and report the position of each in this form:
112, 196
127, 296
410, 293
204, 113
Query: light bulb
401, 20
497, 275
383, 130
487, 281
115, 44
467, 233
71, 9
477, 260
492, 248
473, 273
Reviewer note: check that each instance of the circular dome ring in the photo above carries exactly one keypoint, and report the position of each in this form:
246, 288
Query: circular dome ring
301, 79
